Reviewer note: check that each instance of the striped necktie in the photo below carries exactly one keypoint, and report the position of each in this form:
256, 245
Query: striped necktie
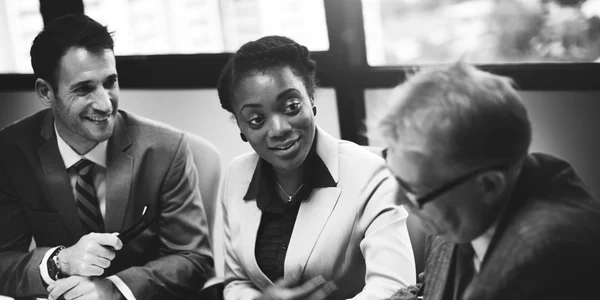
87, 202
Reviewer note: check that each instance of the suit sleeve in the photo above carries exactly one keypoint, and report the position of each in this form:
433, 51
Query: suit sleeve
19, 267
237, 284
560, 271
186, 258
386, 246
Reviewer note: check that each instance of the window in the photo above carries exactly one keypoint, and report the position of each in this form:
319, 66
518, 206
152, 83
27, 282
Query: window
207, 26
20, 22
409, 32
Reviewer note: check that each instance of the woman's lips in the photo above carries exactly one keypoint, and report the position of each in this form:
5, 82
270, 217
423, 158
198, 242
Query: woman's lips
284, 146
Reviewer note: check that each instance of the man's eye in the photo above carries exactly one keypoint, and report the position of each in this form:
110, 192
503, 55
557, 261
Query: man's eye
110, 83
405, 186
83, 90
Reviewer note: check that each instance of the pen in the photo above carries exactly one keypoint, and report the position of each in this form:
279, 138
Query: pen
137, 228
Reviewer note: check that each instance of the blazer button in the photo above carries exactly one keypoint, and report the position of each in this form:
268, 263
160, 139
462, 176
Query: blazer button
284, 247
288, 217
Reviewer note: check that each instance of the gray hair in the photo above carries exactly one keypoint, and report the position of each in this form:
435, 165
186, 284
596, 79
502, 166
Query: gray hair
467, 115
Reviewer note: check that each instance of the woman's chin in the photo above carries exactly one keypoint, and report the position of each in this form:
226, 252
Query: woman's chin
287, 166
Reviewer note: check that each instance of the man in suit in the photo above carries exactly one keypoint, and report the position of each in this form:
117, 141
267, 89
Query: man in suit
504, 224
76, 174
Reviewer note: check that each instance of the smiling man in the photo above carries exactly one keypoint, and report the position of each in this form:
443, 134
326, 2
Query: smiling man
75, 175
504, 223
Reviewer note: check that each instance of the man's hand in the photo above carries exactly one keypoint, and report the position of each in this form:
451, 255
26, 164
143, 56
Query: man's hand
84, 288
289, 289
90, 255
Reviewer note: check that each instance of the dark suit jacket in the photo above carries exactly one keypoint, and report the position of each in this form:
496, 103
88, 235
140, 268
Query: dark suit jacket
148, 164
546, 245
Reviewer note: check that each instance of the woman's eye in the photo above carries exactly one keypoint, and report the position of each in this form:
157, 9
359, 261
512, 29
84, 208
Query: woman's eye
292, 108
256, 121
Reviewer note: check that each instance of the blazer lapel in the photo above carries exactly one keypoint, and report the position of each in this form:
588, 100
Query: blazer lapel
119, 174
248, 232
58, 181
437, 269
316, 210
312, 218
328, 151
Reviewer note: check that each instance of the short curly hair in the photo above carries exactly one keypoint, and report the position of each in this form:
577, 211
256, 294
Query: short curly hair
262, 54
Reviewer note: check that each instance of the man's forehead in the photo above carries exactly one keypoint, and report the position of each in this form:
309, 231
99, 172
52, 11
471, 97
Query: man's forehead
409, 154
411, 144
418, 162
79, 64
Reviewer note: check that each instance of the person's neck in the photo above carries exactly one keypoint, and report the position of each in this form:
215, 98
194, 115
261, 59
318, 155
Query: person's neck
290, 181
79, 145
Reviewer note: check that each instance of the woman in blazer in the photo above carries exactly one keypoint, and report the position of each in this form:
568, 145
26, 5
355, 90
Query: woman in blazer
307, 216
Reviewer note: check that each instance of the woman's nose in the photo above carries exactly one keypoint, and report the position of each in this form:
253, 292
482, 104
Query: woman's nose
279, 126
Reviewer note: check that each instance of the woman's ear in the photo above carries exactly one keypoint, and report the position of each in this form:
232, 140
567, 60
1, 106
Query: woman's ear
492, 185
237, 122
314, 108
44, 91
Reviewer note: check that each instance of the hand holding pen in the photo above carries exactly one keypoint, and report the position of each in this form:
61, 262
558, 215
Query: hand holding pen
94, 252
130, 233
90, 255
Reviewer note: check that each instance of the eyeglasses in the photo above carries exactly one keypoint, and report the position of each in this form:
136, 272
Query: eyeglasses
419, 201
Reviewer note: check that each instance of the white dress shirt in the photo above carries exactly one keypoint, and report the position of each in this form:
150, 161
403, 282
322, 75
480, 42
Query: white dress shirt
97, 155
480, 246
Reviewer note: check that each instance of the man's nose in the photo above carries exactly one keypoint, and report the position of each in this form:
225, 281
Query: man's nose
102, 100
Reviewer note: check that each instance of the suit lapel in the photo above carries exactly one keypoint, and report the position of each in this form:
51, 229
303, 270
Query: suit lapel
328, 151
438, 268
316, 210
58, 181
119, 174
312, 218
248, 232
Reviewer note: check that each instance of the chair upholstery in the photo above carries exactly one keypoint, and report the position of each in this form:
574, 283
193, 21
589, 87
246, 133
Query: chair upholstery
208, 165
415, 230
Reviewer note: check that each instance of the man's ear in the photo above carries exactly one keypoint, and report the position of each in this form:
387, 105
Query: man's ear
44, 91
493, 185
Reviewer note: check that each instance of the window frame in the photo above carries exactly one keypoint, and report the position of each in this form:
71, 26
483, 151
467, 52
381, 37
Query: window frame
343, 67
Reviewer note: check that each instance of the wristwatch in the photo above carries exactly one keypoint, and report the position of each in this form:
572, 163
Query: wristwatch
53, 266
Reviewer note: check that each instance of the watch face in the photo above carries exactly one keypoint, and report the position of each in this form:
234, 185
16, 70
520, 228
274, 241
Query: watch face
52, 268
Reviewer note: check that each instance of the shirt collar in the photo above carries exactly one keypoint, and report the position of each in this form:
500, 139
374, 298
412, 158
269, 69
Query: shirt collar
96, 155
481, 244
316, 175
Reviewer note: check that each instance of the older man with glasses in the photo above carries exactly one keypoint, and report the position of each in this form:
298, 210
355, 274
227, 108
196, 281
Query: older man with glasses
503, 223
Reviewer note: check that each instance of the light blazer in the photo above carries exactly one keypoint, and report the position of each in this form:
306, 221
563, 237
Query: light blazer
354, 233
546, 244
147, 165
